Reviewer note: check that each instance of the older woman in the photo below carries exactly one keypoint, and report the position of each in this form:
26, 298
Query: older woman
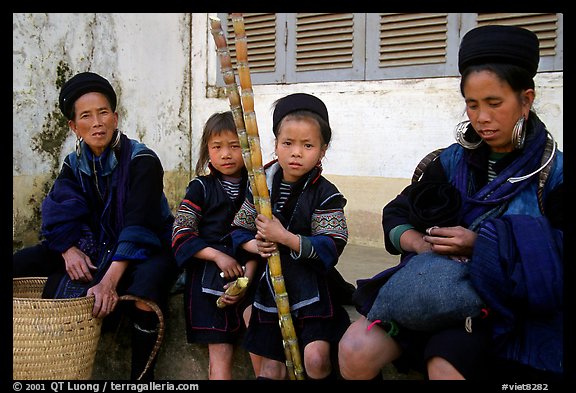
513, 243
106, 223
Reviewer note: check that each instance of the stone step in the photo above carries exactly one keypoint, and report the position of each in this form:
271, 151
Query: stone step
177, 359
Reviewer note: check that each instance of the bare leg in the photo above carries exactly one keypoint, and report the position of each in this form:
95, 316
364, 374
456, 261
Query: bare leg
272, 369
440, 369
317, 359
256, 359
362, 352
220, 367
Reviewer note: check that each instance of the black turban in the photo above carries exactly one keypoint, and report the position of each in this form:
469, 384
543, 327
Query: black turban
82, 83
500, 44
295, 102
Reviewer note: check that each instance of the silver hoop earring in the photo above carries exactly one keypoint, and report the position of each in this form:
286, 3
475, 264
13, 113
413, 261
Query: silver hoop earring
460, 135
78, 147
519, 133
116, 142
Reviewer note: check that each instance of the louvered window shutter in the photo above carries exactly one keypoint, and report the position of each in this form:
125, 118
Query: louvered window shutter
266, 49
412, 39
324, 47
410, 45
544, 25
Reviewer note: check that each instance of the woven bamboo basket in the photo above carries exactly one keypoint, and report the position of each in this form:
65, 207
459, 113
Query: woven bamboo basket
53, 339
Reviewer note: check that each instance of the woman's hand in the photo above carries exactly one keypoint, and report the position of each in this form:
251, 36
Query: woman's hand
413, 241
455, 241
78, 264
106, 298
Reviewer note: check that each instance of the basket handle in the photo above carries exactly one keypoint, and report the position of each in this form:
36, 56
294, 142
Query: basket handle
160, 337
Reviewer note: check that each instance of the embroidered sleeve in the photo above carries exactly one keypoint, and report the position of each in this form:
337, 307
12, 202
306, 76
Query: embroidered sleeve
329, 235
186, 240
330, 222
246, 216
186, 222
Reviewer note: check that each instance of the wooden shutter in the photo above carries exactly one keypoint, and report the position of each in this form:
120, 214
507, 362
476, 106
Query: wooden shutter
322, 47
261, 33
544, 25
412, 39
324, 41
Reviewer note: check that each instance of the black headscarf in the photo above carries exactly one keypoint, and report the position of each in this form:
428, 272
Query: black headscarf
82, 83
500, 44
299, 101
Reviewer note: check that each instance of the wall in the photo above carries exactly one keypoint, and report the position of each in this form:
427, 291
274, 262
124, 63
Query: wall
147, 59
164, 67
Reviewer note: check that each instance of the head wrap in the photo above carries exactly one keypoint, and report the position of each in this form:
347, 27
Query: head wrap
295, 102
500, 44
82, 83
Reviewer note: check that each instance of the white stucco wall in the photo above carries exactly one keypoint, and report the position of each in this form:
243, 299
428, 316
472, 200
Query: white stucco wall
383, 128
144, 56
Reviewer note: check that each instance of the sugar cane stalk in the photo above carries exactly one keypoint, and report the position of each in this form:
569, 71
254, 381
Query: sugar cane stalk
233, 96
258, 179
294, 363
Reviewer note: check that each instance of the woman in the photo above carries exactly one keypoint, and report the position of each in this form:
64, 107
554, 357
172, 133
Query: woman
513, 247
106, 222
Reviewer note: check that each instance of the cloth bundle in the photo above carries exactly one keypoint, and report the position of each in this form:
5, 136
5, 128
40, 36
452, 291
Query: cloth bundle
433, 204
432, 291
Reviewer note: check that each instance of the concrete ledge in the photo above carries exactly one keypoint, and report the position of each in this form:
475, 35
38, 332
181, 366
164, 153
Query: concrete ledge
177, 359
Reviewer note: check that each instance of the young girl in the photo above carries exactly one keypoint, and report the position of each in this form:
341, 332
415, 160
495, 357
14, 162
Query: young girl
309, 231
202, 221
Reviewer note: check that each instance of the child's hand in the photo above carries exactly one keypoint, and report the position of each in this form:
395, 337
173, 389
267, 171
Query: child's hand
229, 266
233, 292
270, 229
265, 248
270, 233
251, 246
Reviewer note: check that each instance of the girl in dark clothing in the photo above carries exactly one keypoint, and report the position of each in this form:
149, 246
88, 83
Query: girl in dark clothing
309, 231
198, 239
